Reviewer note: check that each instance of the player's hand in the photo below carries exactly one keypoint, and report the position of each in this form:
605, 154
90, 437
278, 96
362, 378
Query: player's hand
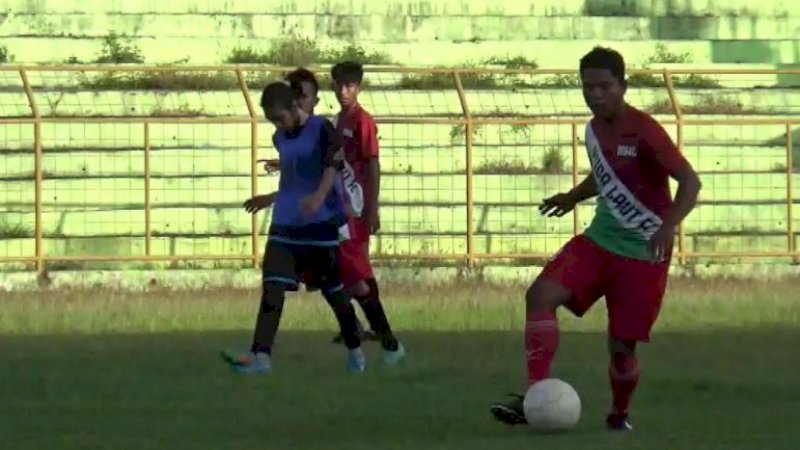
661, 242
311, 204
270, 165
258, 203
557, 205
373, 221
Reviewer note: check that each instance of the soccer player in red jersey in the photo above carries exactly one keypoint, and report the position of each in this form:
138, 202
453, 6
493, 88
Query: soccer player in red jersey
361, 183
624, 254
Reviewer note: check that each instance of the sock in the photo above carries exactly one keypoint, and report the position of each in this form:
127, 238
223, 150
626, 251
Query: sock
541, 343
376, 316
623, 372
268, 319
345, 315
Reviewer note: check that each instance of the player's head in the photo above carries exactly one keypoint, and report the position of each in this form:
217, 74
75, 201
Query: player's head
306, 86
603, 78
347, 77
281, 106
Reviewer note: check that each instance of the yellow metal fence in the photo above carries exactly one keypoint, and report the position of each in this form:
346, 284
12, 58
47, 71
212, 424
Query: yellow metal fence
466, 119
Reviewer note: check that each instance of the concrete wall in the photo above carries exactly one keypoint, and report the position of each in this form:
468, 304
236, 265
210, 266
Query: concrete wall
553, 32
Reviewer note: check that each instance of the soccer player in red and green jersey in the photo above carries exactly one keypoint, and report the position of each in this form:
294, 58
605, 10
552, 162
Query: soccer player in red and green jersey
624, 254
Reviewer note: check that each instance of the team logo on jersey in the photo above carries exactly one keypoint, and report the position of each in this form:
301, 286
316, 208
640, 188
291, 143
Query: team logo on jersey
627, 150
630, 213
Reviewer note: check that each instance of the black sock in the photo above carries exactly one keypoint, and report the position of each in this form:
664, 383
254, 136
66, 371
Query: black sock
346, 316
269, 317
376, 316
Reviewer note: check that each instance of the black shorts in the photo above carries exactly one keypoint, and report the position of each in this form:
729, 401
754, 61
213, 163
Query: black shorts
294, 253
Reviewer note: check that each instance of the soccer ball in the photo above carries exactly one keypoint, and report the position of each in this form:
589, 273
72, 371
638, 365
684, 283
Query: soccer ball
552, 405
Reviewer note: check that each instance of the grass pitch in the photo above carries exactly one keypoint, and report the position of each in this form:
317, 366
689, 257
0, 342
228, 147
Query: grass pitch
109, 370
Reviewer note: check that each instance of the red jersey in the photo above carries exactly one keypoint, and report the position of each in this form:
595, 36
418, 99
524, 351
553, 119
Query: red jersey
359, 135
632, 161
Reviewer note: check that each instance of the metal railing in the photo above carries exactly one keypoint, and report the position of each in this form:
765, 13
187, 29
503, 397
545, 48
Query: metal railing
467, 120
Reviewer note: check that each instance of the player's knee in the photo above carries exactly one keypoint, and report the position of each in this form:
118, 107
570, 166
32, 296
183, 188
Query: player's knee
272, 297
546, 294
621, 348
360, 289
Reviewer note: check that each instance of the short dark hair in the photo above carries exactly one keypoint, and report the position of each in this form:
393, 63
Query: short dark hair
605, 58
301, 75
278, 94
347, 72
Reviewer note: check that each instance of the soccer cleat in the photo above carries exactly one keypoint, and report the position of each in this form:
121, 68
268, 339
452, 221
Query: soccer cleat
618, 422
237, 358
393, 358
259, 364
356, 361
510, 412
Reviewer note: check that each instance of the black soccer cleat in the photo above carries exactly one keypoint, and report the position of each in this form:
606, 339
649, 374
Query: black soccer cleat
510, 412
618, 422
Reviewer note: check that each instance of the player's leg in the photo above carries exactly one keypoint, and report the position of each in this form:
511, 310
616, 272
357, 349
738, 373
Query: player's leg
323, 261
278, 274
352, 274
573, 279
394, 351
633, 301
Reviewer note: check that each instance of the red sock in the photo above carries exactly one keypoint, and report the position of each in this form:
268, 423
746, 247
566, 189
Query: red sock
624, 375
541, 343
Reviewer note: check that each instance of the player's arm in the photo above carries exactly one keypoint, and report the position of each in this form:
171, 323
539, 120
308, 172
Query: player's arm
667, 155
368, 144
583, 191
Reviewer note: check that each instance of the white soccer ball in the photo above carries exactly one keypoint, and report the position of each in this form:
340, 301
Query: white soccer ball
552, 405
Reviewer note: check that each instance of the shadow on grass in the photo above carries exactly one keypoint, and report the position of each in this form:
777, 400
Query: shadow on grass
170, 390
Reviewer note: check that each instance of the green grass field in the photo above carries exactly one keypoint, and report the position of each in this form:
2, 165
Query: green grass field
109, 370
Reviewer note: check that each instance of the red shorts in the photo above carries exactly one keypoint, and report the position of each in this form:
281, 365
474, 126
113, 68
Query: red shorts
633, 288
352, 257
353, 254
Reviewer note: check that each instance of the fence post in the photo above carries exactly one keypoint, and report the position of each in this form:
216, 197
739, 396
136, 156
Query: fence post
676, 109
253, 157
468, 131
37, 170
789, 194
147, 217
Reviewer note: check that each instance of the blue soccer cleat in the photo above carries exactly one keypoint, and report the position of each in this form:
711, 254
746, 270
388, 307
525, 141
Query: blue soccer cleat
356, 361
248, 363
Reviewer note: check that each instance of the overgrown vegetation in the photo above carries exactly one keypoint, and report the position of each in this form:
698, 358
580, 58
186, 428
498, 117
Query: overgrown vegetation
705, 104
4, 57
509, 167
553, 161
474, 79
14, 230
166, 80
662, 55
559, 81
117, 51
303, 51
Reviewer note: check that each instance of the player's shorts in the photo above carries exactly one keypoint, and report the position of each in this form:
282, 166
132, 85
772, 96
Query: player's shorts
633, 288
352, 257
292, 252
